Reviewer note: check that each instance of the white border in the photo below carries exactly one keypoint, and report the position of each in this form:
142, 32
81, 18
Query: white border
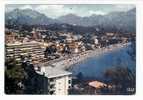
139, 58
72, 1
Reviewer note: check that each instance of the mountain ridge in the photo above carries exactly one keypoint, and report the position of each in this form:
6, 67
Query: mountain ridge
120, 20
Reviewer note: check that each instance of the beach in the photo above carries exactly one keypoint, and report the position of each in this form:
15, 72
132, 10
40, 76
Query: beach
65, 62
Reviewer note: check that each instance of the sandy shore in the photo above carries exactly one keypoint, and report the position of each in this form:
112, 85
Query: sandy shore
67, 61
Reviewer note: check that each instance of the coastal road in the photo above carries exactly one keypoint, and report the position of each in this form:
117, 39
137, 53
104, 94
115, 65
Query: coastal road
66, 61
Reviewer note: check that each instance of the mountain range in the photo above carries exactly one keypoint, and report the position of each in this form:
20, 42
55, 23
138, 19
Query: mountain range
122, 20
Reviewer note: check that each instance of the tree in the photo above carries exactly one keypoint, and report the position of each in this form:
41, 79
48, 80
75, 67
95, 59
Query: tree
122, 78
14, 74
50, 50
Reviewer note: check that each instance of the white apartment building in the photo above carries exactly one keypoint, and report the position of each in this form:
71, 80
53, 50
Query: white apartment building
59, 81
28, 48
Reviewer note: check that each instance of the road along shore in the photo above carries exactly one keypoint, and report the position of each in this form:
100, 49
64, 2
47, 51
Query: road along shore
68, 61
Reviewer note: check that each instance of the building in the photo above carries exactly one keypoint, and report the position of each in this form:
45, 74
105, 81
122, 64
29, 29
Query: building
97, 86
10, 37
36, 35
32, 49
110, 34
59, 81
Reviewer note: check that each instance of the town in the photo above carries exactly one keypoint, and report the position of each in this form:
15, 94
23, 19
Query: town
46, 55
70, 49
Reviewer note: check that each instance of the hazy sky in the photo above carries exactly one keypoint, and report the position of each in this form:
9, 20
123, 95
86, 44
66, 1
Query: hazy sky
80, 10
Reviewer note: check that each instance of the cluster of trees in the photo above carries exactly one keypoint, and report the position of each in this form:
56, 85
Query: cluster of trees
21, 78
122, 80
14, 76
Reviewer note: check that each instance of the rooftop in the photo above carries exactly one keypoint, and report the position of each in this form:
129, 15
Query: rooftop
21, 43
51, 72
97, 84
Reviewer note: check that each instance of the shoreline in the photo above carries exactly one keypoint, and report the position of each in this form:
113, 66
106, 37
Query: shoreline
93, 53
67, 62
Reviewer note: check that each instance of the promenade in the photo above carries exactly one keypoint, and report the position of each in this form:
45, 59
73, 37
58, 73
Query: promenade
65, 62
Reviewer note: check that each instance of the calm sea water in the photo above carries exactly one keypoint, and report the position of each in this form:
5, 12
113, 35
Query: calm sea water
95, 67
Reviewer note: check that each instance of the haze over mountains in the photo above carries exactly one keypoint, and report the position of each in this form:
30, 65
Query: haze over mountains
121, 20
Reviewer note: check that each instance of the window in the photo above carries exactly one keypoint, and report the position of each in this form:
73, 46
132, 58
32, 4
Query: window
51, 92
69, 87
59, 89
59, 82
52, 86
51, 80
69, 81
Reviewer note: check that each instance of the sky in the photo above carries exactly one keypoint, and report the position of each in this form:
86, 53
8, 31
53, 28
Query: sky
82, 10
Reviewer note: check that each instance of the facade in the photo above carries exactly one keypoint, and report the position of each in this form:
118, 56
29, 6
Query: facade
59, 81
32, 49
10, 37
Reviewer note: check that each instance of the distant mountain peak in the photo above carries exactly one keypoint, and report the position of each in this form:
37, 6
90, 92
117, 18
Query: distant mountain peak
115, 19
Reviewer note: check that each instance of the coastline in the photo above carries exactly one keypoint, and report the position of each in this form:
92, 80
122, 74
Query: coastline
93, 53
67, 62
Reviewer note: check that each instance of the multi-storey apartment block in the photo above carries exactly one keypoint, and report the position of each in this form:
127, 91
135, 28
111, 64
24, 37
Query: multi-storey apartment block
32, 49
59, 81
